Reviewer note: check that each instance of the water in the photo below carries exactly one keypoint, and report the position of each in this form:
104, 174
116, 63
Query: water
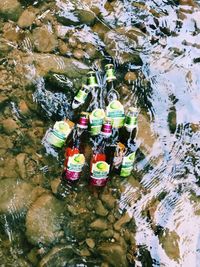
148, 219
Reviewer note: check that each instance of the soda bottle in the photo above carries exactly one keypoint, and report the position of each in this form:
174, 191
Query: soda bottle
96, 96
81, 96
101, 159
74, 157
126, 148
96, 121
111, 93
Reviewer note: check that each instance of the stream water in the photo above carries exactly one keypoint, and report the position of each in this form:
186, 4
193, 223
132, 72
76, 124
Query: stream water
151, 218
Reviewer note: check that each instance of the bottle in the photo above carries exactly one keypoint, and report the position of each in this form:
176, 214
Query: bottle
126, 149
111, 93
74, 157
58, 135
101, 160
81, 96
96, 121
115, 111
96, 97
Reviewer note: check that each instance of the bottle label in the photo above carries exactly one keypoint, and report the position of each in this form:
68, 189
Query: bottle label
81, 96
74, 166
115, 111
127, 165
100, 171
96, 121
131, 121
55, 139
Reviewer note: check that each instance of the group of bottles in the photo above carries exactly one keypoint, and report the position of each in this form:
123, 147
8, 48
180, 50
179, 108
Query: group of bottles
111, 134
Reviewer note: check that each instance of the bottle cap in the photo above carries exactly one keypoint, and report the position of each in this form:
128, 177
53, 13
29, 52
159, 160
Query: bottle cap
83, 120
110, 75
92, 79
107, 127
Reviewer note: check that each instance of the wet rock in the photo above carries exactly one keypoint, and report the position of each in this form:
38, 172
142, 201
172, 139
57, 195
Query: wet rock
12, 33
170, 243
9, 125
59, 255
43, 220
27, 17
114, 254
17, 195
100, 29
84, 252
122, 221
90, 242
63, 48
108, 200
20, 159
5, 142
100, 209
172, 120
90, 51
130, 76
11, 9
99, 225
78, 53
23, 107
107, 233
86, 16
127, 39
55, 184
44, 39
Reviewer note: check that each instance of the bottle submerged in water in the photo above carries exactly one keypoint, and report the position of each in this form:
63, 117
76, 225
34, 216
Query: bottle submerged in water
101, 158
111, 93
74, 157
126, 149
81, 96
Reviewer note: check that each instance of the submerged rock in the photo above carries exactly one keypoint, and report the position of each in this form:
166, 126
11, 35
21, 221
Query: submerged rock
11, 9
27, 17
43, 220
16, 195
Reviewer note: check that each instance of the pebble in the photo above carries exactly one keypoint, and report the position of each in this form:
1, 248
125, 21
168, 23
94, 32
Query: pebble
90, 242
27, 17
122, 221
100, 209
99, 225
9, 125
78, 53
130, 76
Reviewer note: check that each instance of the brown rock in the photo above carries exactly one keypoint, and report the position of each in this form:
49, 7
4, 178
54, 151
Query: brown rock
90, 242
9, 125
100, 209
11, 9
78, 53
23, 108
122, 221
130, 77
108, 200
99, 225
27, 17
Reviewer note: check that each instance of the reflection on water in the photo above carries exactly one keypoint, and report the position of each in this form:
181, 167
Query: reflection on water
149, 219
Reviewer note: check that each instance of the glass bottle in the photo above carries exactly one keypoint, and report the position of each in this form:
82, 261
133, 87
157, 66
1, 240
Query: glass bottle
125, 152
81, 96
74, 157
111, 93
101, 158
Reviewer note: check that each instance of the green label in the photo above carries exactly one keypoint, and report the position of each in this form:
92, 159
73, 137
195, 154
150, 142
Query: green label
76, 162
115, 111
127, 165
54, 139
100, 169
81, 96
96, 121
131, 121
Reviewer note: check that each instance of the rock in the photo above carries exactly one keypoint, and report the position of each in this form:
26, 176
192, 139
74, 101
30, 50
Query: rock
99, 225
5, 142
11, 9
172, 122
114, 254
78, 53
170, 243
90, 51
99, 209
24, 110
90, 242
108, 200
130, 77
100, 29
12, 33
43, 220
27, 17
55, 184
86, 17
107, 233
9, 126
20, 159
44, 39
63, 48
16, 195
122, 221
128, 39
84, 252
59, 255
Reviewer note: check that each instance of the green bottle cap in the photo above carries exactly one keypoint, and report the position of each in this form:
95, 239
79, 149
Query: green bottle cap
110, 73
92, 79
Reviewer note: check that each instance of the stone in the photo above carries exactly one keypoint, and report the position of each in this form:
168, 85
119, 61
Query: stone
100, 209
85, 252
86, 17
99, 225
9, 125
59, 255
27, 17
55, 184
78, 53
90, 242
44, 39
114, 254
100, 29
108, 200
20, 159
16, 195
23, 107
122, 221
43, 220
107, 233
130, 77
10, 9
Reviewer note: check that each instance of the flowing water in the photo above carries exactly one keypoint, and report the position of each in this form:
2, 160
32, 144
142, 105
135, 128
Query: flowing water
149, 219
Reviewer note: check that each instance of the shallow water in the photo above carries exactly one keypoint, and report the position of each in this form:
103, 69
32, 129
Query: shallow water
149, 219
